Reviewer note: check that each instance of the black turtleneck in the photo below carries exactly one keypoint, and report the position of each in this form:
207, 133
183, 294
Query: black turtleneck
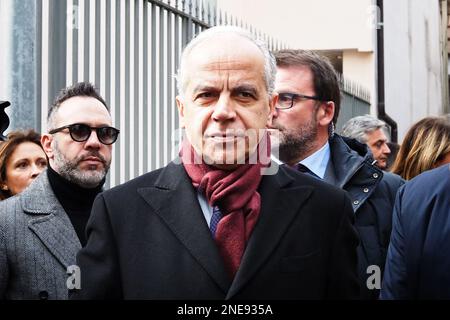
76, 201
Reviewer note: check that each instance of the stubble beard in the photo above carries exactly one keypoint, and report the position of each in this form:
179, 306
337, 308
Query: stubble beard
69, 169
296, 144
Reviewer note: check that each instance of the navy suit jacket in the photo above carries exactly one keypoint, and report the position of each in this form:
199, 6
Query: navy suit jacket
148, 239
418, 260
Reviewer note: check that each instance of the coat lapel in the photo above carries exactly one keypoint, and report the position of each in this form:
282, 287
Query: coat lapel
174, 199
49, 221
279, 206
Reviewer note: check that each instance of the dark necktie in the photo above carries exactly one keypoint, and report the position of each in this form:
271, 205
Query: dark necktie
215, 218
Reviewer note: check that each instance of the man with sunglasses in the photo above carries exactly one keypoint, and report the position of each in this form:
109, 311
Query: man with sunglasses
305, 115
44, 227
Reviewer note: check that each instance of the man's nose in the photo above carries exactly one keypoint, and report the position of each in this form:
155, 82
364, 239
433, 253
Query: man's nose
386, 148
224, 109
93, 141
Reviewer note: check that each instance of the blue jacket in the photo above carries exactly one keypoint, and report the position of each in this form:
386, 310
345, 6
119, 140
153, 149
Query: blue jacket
418, 262
372, 192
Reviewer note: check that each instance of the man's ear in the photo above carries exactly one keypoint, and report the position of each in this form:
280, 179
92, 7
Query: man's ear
46, 142
272, 103
180, 105
325, 113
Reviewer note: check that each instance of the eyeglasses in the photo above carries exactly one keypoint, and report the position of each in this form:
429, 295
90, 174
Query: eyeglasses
286, 100
81, 132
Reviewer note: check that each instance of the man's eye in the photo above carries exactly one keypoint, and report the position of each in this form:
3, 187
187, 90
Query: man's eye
204, 95
245, 94
283, 98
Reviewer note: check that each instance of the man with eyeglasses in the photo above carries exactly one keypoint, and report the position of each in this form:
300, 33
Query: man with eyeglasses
305, 115
42, 229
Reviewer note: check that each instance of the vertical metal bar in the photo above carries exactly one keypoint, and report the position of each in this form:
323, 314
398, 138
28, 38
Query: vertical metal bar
140, 89
113, 90
69, 41
45, 61
92, 41
102, 60
81, 27
98, 58
154, 106
86, 40
169, 86
133, 139
178, 46
40, 114
126, 106
122, 77
146, 89
163, 104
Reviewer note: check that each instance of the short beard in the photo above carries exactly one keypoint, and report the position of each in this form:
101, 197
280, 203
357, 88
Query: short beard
69, 170
296, 144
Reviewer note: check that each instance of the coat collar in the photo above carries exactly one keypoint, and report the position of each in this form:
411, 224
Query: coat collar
348, 156
49, 221
174, 199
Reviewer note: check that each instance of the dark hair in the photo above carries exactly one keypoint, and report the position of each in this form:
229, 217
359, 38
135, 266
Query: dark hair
81, 89
14, 139
425, 144
326, 83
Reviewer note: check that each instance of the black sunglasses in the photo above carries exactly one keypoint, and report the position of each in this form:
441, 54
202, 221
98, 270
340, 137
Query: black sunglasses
80, 132
286, 100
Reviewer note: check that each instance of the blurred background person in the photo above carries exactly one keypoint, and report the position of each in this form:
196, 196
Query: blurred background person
373, 132
418, 263
425, 146
22, 159
395, 147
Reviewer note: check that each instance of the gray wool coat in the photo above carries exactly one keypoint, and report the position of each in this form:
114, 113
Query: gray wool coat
37, 244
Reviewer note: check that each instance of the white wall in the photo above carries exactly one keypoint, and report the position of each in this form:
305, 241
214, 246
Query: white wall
359, 67
413, 61
307, 24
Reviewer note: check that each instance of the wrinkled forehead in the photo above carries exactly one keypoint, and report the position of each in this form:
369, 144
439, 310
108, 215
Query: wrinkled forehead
225, 52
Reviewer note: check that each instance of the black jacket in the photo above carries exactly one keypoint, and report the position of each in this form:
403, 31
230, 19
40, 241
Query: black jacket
372, 192
148, 239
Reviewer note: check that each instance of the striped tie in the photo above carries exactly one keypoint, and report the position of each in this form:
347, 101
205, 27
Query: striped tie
216, 216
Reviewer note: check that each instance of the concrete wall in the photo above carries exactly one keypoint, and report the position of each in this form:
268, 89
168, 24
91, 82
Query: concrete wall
359, 67
413, 63
18, 62
307, 24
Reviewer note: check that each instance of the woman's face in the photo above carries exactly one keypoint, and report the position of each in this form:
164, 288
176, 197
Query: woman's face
26, 162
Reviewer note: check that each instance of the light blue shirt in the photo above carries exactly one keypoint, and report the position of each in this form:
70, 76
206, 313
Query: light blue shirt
317, 162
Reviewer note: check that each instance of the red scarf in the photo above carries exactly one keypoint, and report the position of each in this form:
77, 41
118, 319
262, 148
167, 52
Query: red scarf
234, 192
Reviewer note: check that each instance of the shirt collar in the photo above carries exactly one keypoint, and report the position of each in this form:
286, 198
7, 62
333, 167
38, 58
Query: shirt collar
317, 162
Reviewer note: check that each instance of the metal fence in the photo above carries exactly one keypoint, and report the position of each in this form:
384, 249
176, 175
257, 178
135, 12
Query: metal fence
355, 101
129, 49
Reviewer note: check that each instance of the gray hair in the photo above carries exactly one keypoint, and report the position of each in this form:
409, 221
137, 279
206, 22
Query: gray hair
358, 127
269, 60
